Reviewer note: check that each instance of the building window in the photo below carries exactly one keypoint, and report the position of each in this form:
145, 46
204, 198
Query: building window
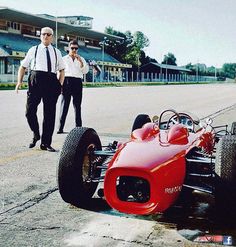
13, 25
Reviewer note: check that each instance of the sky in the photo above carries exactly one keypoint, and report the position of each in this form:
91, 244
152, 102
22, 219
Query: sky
195, 31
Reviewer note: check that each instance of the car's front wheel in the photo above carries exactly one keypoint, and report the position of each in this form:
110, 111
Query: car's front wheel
77, 166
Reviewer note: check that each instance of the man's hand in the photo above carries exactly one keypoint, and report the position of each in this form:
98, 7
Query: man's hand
80, 60
61, 76
18, 86
20, 77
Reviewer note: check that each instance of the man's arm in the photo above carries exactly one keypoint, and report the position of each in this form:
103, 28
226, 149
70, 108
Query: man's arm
83, 65
61, 76
21, 73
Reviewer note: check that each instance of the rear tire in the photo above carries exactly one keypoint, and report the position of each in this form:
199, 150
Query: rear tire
140, 120
225, 168
74, 166
233, 128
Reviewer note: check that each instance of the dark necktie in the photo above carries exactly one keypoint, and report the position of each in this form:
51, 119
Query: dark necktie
48, 60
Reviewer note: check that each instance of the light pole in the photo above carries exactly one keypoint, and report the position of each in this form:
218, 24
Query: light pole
161, 69
56, 31
197, 72
138, 55
166, 70
56, 27
103, 43
103, 59
160, 72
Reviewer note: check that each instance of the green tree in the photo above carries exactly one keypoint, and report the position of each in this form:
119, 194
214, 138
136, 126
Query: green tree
169, 59
130, 49
132, 56
146, 59
140, 40
119, 48
211, 71
191, 67
229, 70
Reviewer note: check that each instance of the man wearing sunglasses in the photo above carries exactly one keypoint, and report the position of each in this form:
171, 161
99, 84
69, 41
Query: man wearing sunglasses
75, 68
45, 62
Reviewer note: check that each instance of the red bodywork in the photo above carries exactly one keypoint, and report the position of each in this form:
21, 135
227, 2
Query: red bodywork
157, 156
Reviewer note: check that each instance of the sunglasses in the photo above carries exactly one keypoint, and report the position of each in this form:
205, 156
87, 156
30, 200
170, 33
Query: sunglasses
48, 34
74, 48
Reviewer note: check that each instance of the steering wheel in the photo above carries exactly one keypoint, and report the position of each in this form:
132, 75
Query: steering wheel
173, 119
176, 118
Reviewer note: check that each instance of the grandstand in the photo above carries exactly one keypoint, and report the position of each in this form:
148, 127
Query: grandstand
19, 31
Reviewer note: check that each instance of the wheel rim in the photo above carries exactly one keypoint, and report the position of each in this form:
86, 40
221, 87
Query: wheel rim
87, 170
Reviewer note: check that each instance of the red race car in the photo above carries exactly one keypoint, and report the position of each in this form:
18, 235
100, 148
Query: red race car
163, 157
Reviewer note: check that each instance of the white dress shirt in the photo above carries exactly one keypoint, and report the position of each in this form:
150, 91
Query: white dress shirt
41, 59
73, 67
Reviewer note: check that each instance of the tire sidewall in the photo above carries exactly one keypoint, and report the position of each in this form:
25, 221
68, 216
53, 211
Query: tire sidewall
69, 172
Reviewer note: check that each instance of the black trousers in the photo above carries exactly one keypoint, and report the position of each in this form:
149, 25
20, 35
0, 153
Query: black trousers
72, 87
46, 87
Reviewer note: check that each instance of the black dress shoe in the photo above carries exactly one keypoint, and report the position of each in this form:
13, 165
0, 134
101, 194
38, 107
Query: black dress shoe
34, 141
60, 132
47, 148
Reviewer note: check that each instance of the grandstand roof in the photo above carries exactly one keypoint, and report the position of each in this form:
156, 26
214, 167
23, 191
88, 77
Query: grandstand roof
41, 21
20, 44
82, 17
95, 54
166, 66
17, 42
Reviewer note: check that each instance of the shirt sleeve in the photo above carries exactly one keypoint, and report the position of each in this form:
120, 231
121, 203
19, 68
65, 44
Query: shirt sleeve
60, 62
85, 68
28, 58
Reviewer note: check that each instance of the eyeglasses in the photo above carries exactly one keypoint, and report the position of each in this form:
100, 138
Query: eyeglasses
74, 48
48, 34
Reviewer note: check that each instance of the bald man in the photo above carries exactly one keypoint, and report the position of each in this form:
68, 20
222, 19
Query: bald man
45, 62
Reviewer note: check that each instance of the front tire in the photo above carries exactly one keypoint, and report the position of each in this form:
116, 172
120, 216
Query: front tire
74, 170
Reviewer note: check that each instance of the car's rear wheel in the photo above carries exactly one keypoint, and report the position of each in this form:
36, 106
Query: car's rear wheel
140, 120
225, 165
233, 128
77, 166
225, 168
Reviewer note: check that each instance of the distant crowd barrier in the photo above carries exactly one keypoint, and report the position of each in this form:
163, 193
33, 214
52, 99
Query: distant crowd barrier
133, 76
128, 76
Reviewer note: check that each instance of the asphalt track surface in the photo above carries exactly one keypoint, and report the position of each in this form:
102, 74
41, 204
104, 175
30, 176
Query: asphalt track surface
31, 210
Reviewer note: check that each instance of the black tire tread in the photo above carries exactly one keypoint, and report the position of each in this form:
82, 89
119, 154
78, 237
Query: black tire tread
225, 165
69, 175
233, 128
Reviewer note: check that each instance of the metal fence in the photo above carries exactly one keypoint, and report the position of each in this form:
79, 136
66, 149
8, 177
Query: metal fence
123, 76
134, 76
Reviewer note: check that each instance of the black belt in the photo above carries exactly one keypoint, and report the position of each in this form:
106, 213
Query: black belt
73, 77
41, 71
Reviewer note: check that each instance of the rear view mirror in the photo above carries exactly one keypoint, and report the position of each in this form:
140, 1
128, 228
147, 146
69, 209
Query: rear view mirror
209, 121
